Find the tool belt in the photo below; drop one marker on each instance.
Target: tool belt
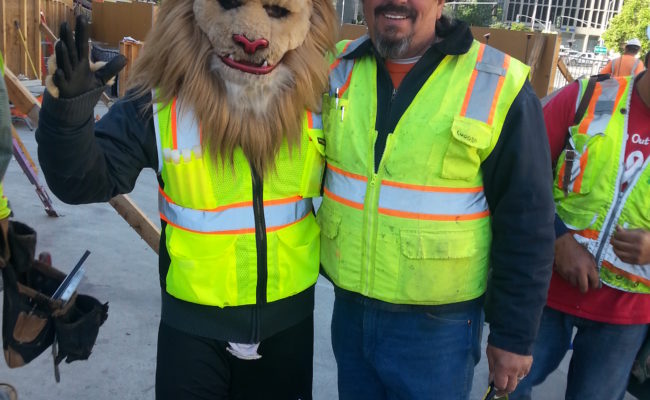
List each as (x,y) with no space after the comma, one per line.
(31,320)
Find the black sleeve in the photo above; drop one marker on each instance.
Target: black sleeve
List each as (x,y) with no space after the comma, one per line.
(84,162)
(517,180)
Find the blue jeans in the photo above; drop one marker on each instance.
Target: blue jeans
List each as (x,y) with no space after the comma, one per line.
(403,354)
(601,361)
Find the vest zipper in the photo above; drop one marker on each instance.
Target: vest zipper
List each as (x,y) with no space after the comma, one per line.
(615,212)
(370,225)
(371,208)
(260,237)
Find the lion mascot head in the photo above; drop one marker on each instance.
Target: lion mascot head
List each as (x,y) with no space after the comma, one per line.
(247,68)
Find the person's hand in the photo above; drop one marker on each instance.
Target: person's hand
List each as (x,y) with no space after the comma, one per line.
(74,75)
(575,264)
(632,245)
(506,369)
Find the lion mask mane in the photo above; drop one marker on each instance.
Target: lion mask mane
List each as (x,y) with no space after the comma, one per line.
(248,69)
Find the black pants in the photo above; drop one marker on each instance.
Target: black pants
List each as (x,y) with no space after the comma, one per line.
(195,368)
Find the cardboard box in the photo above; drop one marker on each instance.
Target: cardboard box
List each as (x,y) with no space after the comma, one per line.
(112,21)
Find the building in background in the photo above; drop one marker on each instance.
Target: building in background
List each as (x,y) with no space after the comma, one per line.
(348,11)
(579,22)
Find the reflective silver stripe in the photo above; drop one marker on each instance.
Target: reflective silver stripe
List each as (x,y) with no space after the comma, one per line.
(346,187)
(604,107)
(339,75)
(407,200)
(353,45)
(316,120)
(636,64)
(232,220)
(642,271)
(489,71)
(156,124)
(188,135)
(431,202)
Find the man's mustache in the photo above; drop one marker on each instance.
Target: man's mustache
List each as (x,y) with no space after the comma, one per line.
(396,9)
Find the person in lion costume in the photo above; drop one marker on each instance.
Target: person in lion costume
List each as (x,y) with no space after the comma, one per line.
(224,105)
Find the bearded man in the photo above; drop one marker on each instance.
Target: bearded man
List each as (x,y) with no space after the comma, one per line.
(435,175)
(223,108)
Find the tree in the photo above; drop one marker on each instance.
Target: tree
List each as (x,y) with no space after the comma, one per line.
(630,23)
(474,14)
(520,26)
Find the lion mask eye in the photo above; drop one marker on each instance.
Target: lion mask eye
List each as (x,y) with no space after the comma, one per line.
(228,4)
(275,11)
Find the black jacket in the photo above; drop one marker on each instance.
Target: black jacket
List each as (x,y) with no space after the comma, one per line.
(84,162)
(517,183)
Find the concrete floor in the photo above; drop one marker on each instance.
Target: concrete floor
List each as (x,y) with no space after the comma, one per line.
(122,270)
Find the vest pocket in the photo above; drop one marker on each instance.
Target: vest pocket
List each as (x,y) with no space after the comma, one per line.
(204,269)
(312,176)
(296,264)
(463,157)
(334,120)
(435,267)
(195,180)
(579,168)
(330,225)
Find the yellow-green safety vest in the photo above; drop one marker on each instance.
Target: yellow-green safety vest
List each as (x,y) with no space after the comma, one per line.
(595,203)
(418,230)
(208,206)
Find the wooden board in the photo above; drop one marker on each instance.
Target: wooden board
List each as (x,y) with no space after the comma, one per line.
(130,50)
(21,97)
(137,220)
(111,22)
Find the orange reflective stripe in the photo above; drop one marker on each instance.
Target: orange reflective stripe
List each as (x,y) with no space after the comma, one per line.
(622,86)
(346,85)
(588,233)
(583,164)
(338,60)
(433,188)
(629,276)
(497,92)
(434,217)
(472,80)
(584,125)
(310,122)
(348,174)
(275,202)
(468,94)
(341,200)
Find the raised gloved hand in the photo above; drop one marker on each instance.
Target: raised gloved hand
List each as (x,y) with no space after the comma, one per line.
(74,75)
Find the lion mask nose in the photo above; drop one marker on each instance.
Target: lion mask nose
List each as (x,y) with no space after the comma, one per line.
(250,47)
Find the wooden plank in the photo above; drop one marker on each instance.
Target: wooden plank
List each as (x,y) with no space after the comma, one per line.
(47,32)
(564,70)
(21,98)
(130,50)
(147,230)
(33,34)
(536,54)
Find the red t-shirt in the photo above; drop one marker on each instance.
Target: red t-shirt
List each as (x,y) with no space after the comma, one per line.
(398,71)
(606,304)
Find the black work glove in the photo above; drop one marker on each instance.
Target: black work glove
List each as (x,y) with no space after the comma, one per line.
(73,74)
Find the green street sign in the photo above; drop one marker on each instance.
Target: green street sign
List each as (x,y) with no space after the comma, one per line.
(600,50)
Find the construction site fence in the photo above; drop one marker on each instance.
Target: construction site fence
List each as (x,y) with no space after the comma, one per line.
(579,67)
